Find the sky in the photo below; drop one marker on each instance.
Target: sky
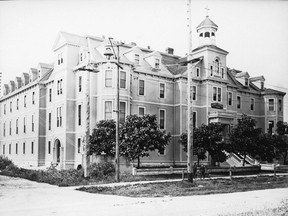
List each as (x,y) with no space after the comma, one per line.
(255,33)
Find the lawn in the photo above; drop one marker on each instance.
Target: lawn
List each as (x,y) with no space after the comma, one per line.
(199,187)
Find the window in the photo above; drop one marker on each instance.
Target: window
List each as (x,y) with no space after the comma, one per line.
(194,119)
(60,58)
(81,57)
(141,87)
(59,116)
(246,81)
(10,129)
(80,84)
(3,149)
(4,109)
(162,119)
(24,148)
(211,70)
(271,104)
(108,110)
(270,126)
(198,72)
(122,112)
(157,63)
(78,145)
(217,66)
(122,79)
(9,148)
(10,106)
(24,100)
(137,59)
(17,104)
(280,105)
(194,92)
(230,98)
(207,34)
(33,98)
(141,111)
(161,151)
(108,78)
(238,102)
(222,73)
(49,121)
(59,86)
(16,126)
(252,104)
(50,94)
(32,147)
(214,93)
(219,94)
(49,147)
(79,114)
(162,90)
(24,125)
(4,129)
(32,123)
(262,85)
(16,148)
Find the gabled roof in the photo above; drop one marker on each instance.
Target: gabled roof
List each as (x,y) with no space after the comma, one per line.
(242,74)
(258,78)
(46,75)
(210,46)
(64,37)
(269,91)
(45,65)
(207,22)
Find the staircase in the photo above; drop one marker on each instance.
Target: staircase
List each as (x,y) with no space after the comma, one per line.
(237,160)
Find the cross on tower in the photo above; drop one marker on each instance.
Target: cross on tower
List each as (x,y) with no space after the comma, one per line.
(207,11)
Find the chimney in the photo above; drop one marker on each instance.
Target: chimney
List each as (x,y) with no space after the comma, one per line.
(170,51)
(148,47)
(133,44)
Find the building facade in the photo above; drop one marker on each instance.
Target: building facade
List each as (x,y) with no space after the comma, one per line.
(45,113)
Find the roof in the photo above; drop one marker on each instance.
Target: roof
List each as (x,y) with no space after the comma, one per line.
(207,23)
(269,91)
(210,46)
(45,65)
(64,37)
(46,75)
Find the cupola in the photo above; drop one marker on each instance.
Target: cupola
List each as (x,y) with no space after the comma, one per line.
(207,32)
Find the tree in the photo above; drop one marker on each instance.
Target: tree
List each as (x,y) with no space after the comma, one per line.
(103,138)
(281,141)
(140,136)
(264,150)
(207,138)
(243,138)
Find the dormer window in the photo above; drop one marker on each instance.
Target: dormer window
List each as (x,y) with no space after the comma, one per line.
(207,34)
(137,59)
(60,58)
(246,81)
(157,63)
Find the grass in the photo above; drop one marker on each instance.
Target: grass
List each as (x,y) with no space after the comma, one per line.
(184,188)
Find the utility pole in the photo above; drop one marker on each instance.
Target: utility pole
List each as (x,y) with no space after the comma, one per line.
(117,162)
(189,96)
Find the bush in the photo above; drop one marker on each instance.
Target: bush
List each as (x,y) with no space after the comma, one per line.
(102,170)
(4,162)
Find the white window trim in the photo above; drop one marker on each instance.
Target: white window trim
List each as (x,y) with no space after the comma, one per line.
(155,61)
(136,54)
(198,68)
(217,87)
(104,108)
(125,109)
(160,90)
(253,104)
(228,98)
(143,108)
(195,92)
(165,119)
(139,87)
(273,104)
(237,102)
(125,79)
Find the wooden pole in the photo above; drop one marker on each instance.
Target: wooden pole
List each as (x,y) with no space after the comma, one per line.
(189,96)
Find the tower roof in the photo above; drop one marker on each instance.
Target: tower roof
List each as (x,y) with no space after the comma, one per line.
(207,22)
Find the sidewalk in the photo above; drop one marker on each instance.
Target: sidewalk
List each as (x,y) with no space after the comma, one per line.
(115,184)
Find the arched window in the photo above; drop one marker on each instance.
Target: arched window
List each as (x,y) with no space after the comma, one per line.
(201,35)
(217,66)
(207,34)
(212,34)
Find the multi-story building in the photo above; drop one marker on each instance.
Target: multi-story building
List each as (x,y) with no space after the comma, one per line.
(44,113)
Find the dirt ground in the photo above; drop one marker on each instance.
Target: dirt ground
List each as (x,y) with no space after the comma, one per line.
(23,197)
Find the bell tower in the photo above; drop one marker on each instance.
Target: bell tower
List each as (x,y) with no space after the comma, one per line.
(207,31)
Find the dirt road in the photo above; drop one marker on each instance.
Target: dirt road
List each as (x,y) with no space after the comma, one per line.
(23,197)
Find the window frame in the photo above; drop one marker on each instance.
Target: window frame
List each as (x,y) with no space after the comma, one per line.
(136,58)
(228,98)
(125,109)
(108,79)
(144,110)
(269,105)
(80,84)
(194,93)
(121,81)
(164,119)
(139,87)
(79,109)
(164,90)
(198,71)
(157,63)
(105,113)
(252,104)
(238,102)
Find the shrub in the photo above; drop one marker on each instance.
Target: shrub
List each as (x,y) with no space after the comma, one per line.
(4,162)
(102,170)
